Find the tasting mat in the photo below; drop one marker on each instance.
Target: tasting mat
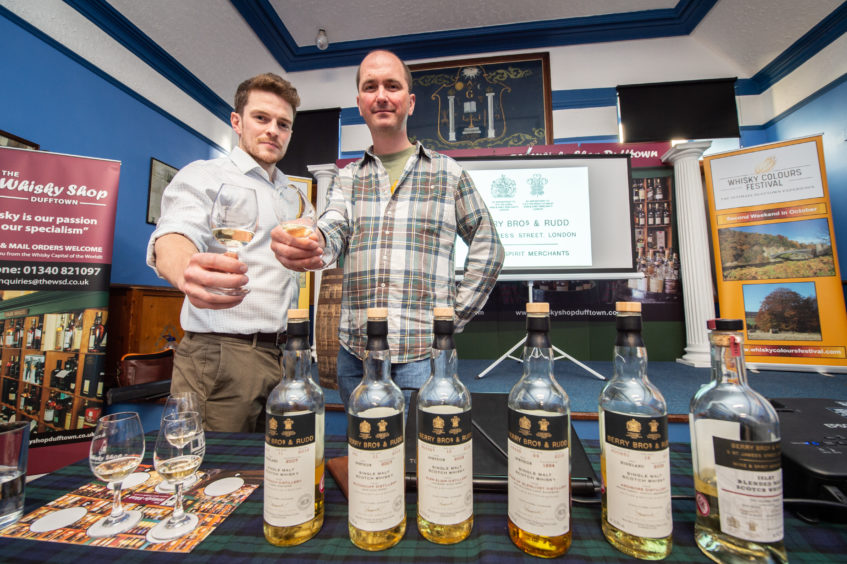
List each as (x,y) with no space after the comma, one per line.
(211,497)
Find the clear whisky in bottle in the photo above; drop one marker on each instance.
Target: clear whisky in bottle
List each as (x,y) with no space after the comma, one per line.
(294,444)
(444,443)
(735,449)
(539,473)
(376,453)
(634,450)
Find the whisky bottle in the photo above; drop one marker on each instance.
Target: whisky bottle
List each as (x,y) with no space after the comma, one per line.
(36,343)
(60,333)
(375,430)
(444,443)
(68,335)
(294,444)
(539,501)
(634,453)
(735,450)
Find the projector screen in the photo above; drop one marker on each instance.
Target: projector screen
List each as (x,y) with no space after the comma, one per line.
(559,217)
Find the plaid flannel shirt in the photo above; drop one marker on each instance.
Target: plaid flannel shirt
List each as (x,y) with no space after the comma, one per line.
(399,248)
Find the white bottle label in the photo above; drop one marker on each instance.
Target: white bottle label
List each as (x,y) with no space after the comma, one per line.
(289,469)
(749,480)
(539,473)
(376,469)
(445,464)
(638,474)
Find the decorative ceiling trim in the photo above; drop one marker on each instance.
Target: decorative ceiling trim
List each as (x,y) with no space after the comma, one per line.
(679,20)
(123,31)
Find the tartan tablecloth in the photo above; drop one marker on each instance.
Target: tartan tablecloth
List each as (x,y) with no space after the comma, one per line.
(239,538)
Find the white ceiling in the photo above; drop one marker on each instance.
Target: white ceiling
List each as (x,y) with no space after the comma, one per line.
(188,56)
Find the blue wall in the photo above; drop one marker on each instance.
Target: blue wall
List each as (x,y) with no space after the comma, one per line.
(51,99)
(825,113)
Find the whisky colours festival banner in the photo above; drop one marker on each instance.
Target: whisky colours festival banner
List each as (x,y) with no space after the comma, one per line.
(56,233)
(776,262)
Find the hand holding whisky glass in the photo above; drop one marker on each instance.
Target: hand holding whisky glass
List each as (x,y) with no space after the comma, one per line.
(233,222)
(294,212)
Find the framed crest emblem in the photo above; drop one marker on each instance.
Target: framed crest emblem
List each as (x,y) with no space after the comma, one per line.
(482,103)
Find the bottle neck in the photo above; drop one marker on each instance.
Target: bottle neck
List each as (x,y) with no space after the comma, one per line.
(630,351)
(727,348)
(297,356)
(538,353)
(377,365)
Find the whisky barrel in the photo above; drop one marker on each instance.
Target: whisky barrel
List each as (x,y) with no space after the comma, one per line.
(326,326)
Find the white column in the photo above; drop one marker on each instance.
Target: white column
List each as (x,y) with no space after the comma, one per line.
(451,102)
(324,174)
(490,96)
(695,265)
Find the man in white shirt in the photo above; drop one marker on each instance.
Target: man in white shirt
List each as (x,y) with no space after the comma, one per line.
(230,355)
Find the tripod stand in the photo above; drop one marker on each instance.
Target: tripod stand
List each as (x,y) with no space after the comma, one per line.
(556,350)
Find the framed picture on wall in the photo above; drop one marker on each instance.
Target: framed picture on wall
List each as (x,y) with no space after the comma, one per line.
(9,140)
(161,175)
(482,103)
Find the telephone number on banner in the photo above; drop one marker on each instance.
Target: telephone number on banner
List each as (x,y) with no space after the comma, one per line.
(53,276)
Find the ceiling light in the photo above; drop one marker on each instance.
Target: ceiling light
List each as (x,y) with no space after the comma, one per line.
(322,41)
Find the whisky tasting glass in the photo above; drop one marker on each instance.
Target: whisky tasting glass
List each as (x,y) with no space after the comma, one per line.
(294,212)
(179,402)
(116,451)
(179,451)
(233,222)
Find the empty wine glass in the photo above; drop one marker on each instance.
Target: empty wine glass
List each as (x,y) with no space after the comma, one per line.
(116,451)
(294,212)
(179,451)
(233,222)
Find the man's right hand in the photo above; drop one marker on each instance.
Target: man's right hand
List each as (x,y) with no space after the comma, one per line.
(298,253)
(210,270)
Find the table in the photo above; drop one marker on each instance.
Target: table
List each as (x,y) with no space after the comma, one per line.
(240,538)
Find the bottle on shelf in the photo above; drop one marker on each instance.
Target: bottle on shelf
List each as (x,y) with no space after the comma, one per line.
(30,334)
(444,445)
(634,450)
(68,334)
(375,430)
(97,334)
(666,214)
(660,195)
(650,188)
(735,448)
(39,328)
(49,409)
(539,501)
(294,444)
(60,332)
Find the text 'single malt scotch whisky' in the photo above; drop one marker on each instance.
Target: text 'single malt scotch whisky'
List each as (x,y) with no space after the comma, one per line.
(376,454)
(294,444)
(444,447)
(735,449)
(539,501)
(634,450)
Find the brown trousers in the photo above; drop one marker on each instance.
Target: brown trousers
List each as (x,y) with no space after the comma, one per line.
(232,378)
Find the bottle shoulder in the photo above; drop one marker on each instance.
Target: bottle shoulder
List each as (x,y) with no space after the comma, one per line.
(731,402)
(539,394)
(634,396)
(444,391)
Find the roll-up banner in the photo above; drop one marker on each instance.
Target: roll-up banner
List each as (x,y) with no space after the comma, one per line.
(776,264)
(57,224)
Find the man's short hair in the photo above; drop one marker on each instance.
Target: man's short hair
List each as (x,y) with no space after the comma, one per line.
(269,82)
(406,70)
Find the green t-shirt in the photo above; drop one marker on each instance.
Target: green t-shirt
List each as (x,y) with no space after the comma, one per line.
(395,163)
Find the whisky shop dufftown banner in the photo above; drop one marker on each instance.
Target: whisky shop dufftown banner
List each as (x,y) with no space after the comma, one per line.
(776,261)
(56,233)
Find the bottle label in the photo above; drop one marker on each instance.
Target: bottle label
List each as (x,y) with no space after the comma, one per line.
(749,480)
(539,473)
(376,468)
(445,465)
(638,474)
(289,469)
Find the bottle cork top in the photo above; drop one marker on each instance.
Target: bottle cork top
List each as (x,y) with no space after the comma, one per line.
(443,312)
(298,314)
(628,306)
(377,312)
(538,307)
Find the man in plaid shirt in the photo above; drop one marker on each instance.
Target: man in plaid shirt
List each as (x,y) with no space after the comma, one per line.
(394,216)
